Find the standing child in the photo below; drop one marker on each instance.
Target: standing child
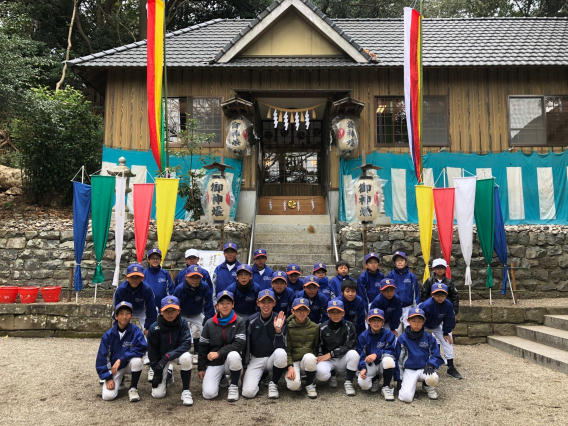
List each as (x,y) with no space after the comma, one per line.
(440,321)
(122,348)
(293,272)
(418,358)
(325,287)
(222,341)
(368,283)
(170,339)
(388,302)
(196,304)
(192,259)
(160,280)
(316,300)
(376,347)
(342,267)
(439,266)
(406,284)
(261,274)
(336,349)
(355,306)
(225,274)
(266,347)
(245,292)
(283,294)
(301,345)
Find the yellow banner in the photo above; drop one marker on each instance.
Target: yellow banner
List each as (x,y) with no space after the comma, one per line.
(425,206)
(166,198)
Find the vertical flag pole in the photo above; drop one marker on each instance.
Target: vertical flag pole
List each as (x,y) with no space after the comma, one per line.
(166,118)
(421,86)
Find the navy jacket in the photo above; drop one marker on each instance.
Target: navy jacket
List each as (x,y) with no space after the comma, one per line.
(336,283)
(453,295)
(392,309)
(284,301)
(369,285)
(264,280)
(415,354)
(262,339)
(437,314)
(112,348)
(296,287)
(142,299)
(382,344)
(180,277)
(223,278)
(171,343)
(245,301)
(356,312)
(325,287)
(407,288)
(318,307)
(160,281)
(195,300)
(216,338)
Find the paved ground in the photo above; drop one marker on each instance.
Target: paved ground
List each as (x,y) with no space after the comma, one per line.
(53,382)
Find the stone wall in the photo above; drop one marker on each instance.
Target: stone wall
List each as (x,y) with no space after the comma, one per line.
(42,255)
(542,252)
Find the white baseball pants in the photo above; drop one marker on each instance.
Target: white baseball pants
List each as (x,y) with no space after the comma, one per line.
(349,361)
(439,335)
(308,363)
(214,373)
(257,366)
(134,365)
(195,323)
(185,362)
(373,370)
(409,380)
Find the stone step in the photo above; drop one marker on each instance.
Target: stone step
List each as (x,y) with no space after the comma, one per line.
(545,335)
(302,258)
(540,354)
(293,238)
(286,220)
(285,248)
(301,230)
(306,269)
(556,321)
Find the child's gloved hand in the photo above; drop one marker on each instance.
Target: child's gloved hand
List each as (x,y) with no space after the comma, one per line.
(157,379)
(162,364)
(429,369)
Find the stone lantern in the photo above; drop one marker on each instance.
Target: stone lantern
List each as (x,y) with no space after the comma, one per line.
(123,170)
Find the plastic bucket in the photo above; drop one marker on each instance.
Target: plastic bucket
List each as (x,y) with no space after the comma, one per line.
(28,294)
(51,294)
(8,294)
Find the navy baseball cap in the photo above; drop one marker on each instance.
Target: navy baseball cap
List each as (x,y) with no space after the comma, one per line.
(319,266)
(193,270)
(292,268)
(439,287)
(399,253)
(311,279)
(416,312)
(372,256)
(278,275)
(154,250)
(225,293)
(376,312)
(266,293)
(230,246)
(135,269)
(244,267)
(123,305)
(169,302)
(387,282)
(300,302)
(335,304)
(260,252)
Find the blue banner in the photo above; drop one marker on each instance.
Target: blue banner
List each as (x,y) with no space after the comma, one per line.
(81,213)
(500,239)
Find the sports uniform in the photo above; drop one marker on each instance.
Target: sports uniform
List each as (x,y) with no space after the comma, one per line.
(225,274)
(392,308)
(284,299)
(317,304)
(160,280)
(336,281)
(453,295)
(325,286)
(245,295)
(261,277)
(298,286)
(180,277)
(355,312)
(407,288)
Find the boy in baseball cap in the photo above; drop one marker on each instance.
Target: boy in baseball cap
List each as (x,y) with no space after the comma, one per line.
(302,343)
(293,272)
(368,283)
(376,347)
(407,288)
(222,341)
(160,280)
(245,292)
(225,274)
(283,294)
(261,274)
(439,266)
(342,267)
(316,299)
(421,357)
(266,347)
(336,349)
(122,347)
(390,304)
(355,307)
(192,259)
(440,321)
(325,287)
(170,339)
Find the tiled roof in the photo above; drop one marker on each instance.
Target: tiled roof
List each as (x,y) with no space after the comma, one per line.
(447,42)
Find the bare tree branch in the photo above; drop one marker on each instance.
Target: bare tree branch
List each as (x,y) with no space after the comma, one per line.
(58,85)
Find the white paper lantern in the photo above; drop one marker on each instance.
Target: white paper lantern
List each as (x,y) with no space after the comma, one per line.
(367,199)
(218,198)
(237,136)
(347,137)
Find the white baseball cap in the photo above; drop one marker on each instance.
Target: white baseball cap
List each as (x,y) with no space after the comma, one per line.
(437,262)
(191,252)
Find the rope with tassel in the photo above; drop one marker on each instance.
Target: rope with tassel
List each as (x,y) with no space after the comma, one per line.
(291,111)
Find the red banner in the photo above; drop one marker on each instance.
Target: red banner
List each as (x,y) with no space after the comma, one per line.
(444,207)
(142,194)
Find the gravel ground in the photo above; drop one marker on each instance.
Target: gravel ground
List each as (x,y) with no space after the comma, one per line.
(53,381)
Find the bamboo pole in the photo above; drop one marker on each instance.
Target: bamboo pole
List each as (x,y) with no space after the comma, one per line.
(165,96)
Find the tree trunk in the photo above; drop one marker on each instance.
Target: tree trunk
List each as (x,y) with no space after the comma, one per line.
(143,20)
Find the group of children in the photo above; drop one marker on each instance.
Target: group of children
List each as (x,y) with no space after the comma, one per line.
(274,323)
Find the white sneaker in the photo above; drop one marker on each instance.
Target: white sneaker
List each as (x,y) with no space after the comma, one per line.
(349,390)
(150,375)
(273,391)
(375,386)
(170,379)
(388,393)
(311,390)
(233,393)
(133,395)
(195,359)
(432,394)
(186,398)
(145,359)
(224,382)
(332,382)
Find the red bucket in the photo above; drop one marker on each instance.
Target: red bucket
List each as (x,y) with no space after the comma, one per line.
(28,294)
(8,294)
(51,294)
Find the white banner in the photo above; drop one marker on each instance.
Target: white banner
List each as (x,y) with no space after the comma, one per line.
(210,259)
(464,207)
(120,193)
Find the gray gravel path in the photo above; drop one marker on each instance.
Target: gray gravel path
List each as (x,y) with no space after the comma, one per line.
(53,382)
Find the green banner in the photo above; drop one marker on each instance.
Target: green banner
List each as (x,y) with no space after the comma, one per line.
(485,221)
(102,193)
